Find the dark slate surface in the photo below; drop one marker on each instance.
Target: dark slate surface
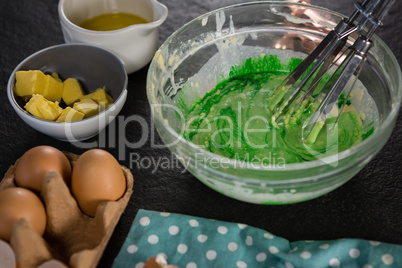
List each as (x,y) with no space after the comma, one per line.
(369,206)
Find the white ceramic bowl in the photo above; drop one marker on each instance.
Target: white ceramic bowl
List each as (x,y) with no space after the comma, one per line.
(135,44)
(94,67)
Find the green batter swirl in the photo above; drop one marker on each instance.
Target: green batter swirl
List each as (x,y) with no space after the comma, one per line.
(232,120)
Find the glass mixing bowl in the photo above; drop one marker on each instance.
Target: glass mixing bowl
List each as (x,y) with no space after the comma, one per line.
(199,55)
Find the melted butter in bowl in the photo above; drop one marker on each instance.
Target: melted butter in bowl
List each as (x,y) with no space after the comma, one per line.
(127,28)
(112,21)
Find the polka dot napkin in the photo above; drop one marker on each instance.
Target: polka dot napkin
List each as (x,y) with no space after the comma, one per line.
(191,242)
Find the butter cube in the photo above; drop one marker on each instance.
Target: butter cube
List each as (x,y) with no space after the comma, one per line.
(69,115)
(72,91)
(87,107)
(53,89)
(41,108)
(56,76)
(29,83)
(101,97)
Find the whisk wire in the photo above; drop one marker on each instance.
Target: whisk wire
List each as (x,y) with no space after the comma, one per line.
(295,111)
(315,67)
(322,52)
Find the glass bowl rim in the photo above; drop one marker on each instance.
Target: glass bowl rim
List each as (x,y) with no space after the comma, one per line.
(288,166)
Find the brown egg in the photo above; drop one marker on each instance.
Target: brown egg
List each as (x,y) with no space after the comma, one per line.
(17,203)
(36,162)
(96,177)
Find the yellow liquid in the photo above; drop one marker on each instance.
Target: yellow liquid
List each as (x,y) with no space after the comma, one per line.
(111,21)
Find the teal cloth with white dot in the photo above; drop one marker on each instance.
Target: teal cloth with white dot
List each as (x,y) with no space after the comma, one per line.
(193,242)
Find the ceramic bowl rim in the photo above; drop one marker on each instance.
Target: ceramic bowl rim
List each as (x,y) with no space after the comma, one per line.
(23,113)
(152,24)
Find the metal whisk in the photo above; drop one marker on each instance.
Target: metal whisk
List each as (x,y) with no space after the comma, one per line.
(292,97)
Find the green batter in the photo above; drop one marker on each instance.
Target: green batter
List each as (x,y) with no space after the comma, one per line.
(233,119)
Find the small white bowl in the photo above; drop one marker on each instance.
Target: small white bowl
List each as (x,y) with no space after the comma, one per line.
(135,45)
(94,67)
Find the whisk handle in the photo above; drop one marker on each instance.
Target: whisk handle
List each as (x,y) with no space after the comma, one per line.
(382,13)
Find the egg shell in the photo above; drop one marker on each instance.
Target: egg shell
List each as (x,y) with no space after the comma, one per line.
(7,256)
(96,177)
(152,263)
(36,162)
(17,203)
(158,262)
(52,264)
